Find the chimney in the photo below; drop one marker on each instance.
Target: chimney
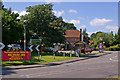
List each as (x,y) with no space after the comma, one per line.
(80,34)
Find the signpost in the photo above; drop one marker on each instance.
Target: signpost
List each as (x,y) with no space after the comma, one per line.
(35,42)
(38,51)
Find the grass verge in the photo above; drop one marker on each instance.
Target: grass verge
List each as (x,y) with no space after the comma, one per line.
(45,58)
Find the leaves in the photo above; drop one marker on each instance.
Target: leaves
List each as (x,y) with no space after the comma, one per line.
(11,27)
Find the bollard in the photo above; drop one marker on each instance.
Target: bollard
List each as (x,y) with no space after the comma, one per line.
(64,54)
(54,56)
(40,57)
(78,55)
(70,55)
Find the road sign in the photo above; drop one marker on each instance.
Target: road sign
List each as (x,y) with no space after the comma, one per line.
(37,48)
(35,41)
(15,55)
(31,48)
(1,45)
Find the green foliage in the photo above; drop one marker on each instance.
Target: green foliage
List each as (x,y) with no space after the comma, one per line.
(42,23)
(108,38)
(119,35)
(86,38)
(114,48)
(68,26)
(11,27)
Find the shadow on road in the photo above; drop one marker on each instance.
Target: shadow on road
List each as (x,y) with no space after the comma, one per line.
(52,64)
(7,71)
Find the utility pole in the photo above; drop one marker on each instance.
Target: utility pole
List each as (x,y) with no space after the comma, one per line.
(24,35)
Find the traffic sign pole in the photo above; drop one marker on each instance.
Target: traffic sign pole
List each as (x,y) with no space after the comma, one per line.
(35,42)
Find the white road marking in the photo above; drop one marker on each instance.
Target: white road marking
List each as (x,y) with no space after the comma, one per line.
(114,59)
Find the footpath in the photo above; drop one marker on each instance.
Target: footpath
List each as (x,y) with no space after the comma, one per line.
(53,63)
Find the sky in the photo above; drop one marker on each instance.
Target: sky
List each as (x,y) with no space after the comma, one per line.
(94,16)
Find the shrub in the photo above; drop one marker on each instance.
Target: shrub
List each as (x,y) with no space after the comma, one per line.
(96,49)
(114,48)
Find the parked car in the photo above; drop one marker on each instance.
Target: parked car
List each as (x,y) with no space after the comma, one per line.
(46,49)
(51,49)
(89,49)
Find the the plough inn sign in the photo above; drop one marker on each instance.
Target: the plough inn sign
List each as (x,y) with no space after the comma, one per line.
(15,55)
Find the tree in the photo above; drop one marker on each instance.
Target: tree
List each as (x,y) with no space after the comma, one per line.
(69,26)
(12,29)
(111,37)
(119,35)
(115,39)
(42,23)
(86,38)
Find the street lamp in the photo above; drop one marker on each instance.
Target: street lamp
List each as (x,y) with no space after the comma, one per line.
(24,35)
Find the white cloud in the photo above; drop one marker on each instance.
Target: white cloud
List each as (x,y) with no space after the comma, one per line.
(21,13)
(75,22)
(64,20)
(50,1)
(59,13)
(89,33)
(73,11)
(111,28)
(82,26)
(99,22)
(15,12)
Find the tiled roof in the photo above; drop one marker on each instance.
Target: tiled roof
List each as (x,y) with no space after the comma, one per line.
(91,41)
(72,33)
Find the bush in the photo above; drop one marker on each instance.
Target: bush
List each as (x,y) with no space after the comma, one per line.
(114,48)
(106,49)
(96,49)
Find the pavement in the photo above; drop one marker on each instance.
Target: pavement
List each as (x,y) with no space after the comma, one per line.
(54,63)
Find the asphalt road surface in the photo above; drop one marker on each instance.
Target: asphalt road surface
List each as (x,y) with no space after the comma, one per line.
(99,67)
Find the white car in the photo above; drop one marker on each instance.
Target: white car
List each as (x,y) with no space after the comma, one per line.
(54,49)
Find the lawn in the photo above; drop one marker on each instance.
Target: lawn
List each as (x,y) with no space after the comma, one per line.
(45,58)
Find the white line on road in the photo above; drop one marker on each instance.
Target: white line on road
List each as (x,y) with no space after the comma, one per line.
(114,59)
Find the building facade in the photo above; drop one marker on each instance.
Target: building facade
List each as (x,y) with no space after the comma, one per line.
(72,36)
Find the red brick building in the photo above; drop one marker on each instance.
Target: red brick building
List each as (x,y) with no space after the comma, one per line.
(72,36)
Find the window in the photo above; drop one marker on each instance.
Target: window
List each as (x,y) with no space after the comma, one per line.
(73,39)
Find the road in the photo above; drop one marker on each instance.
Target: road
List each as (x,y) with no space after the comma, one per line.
(98,67)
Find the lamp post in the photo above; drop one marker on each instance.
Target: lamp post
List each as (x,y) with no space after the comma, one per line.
(24,35)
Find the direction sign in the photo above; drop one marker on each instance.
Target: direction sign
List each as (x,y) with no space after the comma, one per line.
(31,48)
(2,45)
(35,41)
(37,48)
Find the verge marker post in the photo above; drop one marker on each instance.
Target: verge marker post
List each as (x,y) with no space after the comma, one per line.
(54,56)
(40,57)
(63,54)
(70,54)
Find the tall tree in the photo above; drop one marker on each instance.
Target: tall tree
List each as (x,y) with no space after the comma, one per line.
(86,38)
(119,35)
(12,30)
(69,26)
(42,23)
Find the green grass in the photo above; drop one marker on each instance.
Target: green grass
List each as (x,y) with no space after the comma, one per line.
(45,58)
